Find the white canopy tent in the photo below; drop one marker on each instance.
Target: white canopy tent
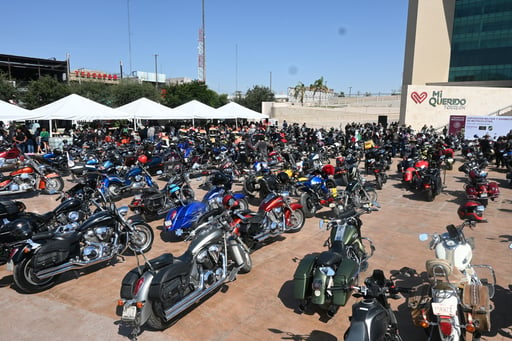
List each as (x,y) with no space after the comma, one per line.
(11,112)
(235,110)
(76,107)
(144,108)
(196,110)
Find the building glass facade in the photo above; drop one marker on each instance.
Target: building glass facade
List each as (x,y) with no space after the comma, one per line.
(481,41)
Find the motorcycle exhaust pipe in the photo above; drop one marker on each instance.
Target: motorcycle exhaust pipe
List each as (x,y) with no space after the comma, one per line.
(57,270)
(193,298)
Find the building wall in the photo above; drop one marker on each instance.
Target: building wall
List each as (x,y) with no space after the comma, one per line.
(316,117)
(428,44)
(433,105)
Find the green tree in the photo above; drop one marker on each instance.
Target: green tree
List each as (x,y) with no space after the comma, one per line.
(255,96)
(7,90)
(129,91)
(43,91)
(298,92)
(178,94)
(319,86)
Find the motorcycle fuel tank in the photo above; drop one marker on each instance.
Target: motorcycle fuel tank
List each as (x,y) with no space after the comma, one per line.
(368,322)
(457,254)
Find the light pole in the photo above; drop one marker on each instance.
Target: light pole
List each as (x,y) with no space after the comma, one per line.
(156,72)
(349,91)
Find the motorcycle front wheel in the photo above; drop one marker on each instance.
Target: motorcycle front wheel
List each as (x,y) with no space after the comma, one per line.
(141,239)
(296,221)
(378,182)
(54,185)
(27,281)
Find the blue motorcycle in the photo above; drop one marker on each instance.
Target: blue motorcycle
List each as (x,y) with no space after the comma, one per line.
(183,219)
(137,178)
(317,192)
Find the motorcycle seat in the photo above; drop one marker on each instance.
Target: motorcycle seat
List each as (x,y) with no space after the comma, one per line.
(329,258)
(161,261)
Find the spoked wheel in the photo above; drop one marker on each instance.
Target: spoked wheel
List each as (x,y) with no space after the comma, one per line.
(26,280)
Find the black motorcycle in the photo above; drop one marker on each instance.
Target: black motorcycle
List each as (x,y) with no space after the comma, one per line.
(74,208)
(39,258)
(372,318)
(160,289)
(153,203)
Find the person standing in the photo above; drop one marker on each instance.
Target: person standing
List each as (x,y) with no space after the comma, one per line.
(44,137)
(20,139)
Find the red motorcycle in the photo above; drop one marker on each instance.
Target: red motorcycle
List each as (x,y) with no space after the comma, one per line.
(479,188)
(276,214)
(10,157)
(31,177)
(413,174)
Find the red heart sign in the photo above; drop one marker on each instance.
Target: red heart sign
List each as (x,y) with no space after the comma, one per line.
(418,98)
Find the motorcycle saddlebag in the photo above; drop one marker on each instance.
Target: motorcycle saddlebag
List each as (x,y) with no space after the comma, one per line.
(303,275)
(170,281)
(55,252)
(475,300)
(154,201)
(130,279)
(344,276)
(9,209)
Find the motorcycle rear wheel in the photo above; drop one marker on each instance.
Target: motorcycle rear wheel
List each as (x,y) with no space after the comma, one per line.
(429,194)
(378,181)
(26,280)
(308,205)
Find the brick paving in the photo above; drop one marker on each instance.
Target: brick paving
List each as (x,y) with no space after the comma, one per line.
(260,305)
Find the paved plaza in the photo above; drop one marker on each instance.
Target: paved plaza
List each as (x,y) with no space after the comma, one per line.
(260,305)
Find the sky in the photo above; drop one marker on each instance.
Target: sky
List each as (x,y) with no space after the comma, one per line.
(357,46)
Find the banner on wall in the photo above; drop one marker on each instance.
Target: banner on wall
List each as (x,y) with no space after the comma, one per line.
(494,126)
(457,123)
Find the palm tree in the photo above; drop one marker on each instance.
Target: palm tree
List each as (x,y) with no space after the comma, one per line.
(299,91)
(319,86)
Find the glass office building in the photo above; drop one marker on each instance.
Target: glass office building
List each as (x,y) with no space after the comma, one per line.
(481,47)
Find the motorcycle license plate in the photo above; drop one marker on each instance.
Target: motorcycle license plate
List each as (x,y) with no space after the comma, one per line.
(129,313)
(444,308)
(483,195)
(10,266)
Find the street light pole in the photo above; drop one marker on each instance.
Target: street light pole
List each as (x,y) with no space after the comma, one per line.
(156,72)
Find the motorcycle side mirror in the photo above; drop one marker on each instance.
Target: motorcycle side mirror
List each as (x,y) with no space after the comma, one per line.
(423,237)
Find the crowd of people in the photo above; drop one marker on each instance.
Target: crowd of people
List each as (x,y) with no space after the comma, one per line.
(398,137)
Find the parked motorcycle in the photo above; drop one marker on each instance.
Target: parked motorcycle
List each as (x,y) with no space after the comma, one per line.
(31,176)
(322,279)
(276,214)
(153,204)
(317,193)
(478,187)
(10,156)
(40,257)
(455,300)
(156,292)
(136,178)
(180,220)
(372,318)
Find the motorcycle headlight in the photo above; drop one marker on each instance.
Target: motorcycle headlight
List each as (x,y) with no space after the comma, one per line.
(73,216)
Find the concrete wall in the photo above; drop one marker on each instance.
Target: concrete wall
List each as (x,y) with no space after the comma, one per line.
(317,117)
